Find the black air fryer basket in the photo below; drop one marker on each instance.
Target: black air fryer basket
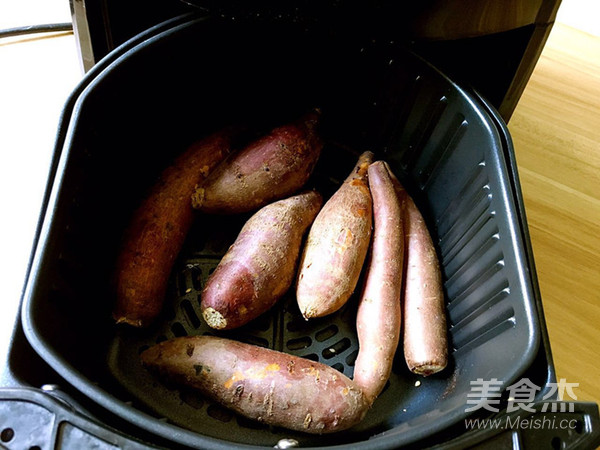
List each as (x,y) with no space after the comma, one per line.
(182,80)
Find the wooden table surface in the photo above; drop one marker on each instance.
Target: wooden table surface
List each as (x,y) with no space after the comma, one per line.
(555,130)
(556,135)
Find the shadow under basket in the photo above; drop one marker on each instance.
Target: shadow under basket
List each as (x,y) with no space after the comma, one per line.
(188,80)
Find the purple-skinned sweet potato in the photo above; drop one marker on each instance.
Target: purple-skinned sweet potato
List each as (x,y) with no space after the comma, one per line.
(423,304)
(379,315)
(260,266)
(259,383)
(425,333)
(158,229)
(270,168)
(336,246)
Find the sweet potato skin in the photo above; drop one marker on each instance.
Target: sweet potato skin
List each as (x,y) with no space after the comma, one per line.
(425,337)
(272,167)
(379,315)
(260,266)
(336,246)
(262,384)
(158,229)
(425,334)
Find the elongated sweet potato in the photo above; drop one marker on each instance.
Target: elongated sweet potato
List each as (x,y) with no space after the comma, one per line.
(269,169)
(261,264)
(158,229)
(425,334)
(424,311)
(379,316)
(336,246)
(265,385)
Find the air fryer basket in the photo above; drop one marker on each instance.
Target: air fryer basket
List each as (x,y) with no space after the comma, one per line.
(187,81)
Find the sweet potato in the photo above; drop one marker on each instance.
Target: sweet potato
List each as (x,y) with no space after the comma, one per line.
(269,169)
(158,229)
(262,384)
(425,333)
(424,311)
(336,246)
(261,264)
(379,316)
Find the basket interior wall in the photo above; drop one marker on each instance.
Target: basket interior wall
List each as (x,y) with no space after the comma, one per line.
(146,108)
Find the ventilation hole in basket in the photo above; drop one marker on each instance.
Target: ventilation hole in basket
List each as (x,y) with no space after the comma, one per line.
(299,343)
(351,358)
(254,340)
(35,447)
(337,348)
(261,323)
(298,324)
(196,277)
(339,367)
(556,443)
(182,284)
(219,413)
(7,434)
(168,313)
(189,279)
(142,349)
(579,426)
(190,313)
(192,399)
(178,330)
(161,338)
(312,357)
(326,333)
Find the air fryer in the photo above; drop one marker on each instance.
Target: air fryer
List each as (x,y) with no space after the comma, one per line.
(145,102)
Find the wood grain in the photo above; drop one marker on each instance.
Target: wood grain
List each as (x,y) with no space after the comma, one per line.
(556,134)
